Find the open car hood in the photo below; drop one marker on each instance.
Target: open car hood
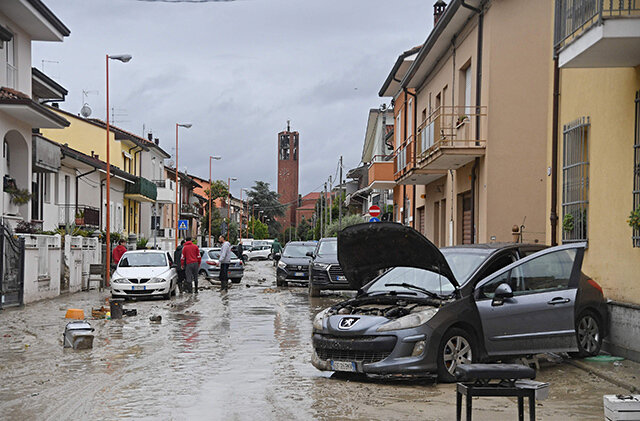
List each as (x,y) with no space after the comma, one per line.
(365,249)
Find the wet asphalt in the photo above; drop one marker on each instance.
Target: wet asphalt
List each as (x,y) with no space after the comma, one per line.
(243,354)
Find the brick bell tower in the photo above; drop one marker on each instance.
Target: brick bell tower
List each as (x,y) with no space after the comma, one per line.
(288,154)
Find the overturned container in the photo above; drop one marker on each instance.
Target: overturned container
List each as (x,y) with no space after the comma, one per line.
(78,335)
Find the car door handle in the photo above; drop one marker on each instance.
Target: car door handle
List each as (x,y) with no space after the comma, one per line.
(559,300)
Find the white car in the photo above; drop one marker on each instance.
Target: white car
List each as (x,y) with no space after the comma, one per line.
(144,273)
(257,253)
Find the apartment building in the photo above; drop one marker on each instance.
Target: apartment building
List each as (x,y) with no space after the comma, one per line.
(594,152)
(471,109)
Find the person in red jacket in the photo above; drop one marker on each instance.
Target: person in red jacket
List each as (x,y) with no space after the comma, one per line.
(191,263)
(118,252)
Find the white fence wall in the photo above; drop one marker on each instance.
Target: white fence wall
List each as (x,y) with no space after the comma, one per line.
(42,266)
(79,253)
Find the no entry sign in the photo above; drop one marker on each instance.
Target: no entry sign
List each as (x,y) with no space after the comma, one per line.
(374,210)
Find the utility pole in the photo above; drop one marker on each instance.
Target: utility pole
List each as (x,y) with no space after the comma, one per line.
(324,214)
(330,200)
(321,213)
(340,198)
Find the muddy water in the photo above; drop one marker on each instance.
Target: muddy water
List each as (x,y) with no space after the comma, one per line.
(244,354)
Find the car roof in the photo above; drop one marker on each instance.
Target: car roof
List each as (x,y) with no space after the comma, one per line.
(490,247)
(329,239)
(302,243)
(145,251)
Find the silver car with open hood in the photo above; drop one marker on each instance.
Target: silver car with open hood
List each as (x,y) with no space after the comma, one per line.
(421,310)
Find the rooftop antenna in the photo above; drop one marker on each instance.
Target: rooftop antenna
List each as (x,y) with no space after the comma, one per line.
(85,111)
(47,61)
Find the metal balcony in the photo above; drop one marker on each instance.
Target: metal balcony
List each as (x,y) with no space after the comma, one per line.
(80,215)
(142,190)
(597,33)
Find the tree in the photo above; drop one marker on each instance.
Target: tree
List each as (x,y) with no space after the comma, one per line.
(217,190)
(257,229)
(332,229)
(266,200)
(304,230)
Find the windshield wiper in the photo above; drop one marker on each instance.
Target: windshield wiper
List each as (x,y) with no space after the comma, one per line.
(376,293)
(416,287)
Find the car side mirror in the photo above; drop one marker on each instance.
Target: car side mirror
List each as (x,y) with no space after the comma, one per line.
(501,293)
(310,254)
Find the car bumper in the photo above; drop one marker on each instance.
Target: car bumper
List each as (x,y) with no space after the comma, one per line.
(233,273)
(142,290)
(329,279)
(376,354)
(287,274)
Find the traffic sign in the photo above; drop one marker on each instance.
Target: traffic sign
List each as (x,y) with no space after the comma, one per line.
(183,224)
(374,220)
(374,211)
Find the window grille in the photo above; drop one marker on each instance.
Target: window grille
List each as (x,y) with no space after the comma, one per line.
(575,180)
(636,169)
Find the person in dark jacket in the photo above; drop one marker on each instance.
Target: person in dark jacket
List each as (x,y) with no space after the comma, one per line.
(177,260)
(191,261)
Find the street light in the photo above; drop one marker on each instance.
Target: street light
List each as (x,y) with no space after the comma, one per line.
(123,58)
(186,126)
(216,157)
(253,220)
(229,180)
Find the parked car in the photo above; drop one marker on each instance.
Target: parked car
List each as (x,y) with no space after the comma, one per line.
(257,252)
(325,271)
(435,309)
(294,262)
(210,265)
(144,273)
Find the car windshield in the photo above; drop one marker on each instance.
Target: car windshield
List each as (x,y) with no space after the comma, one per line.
(463,262)
(133,260)
(420,278)
(297,250)
(328,248)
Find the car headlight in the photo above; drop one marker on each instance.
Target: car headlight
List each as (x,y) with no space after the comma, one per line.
(282,264)
(320,266)
(318,321)
(120,281)
(409,321)
(157,280)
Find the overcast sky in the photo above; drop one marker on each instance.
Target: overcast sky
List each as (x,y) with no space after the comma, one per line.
(237,70)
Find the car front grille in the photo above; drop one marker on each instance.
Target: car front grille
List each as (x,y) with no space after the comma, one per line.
(139,291)
(334,272)
(345,355)
(139,281)
(297,268)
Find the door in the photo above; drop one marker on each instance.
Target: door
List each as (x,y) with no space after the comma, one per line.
(540,315)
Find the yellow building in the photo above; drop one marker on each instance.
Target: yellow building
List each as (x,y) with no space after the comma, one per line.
(89,137)
(595,181)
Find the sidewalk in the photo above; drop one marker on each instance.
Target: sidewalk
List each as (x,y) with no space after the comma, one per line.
(625,373)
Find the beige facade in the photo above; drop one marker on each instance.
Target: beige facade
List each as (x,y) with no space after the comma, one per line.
(483,156)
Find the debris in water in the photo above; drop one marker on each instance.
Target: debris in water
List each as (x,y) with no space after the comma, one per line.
(269,290)
(156,318)
(130,312)
(75,313)
(78,335)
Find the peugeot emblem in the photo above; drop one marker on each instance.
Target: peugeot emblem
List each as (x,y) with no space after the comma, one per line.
(347,322)
(299,267)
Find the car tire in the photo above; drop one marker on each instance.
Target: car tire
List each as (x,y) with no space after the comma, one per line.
(236,280)
(457,347)
(278,282)
(588,335)
(314,291)
(203,273)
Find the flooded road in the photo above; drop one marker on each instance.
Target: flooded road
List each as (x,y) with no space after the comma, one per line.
(240,355)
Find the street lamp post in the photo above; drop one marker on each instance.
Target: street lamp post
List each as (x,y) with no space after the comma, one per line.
(229,180)
(242,213)
(123,58)
(210,186)
(253,220)
(175,218)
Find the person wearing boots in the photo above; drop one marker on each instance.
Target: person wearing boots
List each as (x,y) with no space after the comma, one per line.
(177,259)
(191,260)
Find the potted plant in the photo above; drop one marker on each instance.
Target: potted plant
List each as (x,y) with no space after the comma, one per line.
(19,196)
(461,120)
(80,217)
(634,219)
(567,223)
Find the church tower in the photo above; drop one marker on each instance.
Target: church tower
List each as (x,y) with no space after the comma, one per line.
(288,154)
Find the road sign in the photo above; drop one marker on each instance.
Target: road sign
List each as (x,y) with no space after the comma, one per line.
(374,211)
(183,224)
(374,220)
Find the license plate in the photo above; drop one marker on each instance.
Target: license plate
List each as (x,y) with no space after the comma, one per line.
(299,274)
(343,366)
(138,287)
(341,278)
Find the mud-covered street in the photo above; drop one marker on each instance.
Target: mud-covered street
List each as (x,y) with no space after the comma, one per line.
(244,354)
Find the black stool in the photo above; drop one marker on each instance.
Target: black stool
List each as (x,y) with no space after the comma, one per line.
(494,380)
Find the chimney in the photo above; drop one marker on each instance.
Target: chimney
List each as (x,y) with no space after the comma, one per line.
(150,136)
(438,10)
(157,140)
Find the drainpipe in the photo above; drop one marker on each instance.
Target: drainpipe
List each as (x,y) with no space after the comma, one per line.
(480,14)
(415,147)
(101,184)
(553,216)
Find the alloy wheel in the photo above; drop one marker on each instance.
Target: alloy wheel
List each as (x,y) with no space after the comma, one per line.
(588,334)
(457,351)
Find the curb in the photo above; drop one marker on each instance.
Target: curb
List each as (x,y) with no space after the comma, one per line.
(603,375)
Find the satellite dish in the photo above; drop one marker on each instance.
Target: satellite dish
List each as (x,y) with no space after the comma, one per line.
(85,111)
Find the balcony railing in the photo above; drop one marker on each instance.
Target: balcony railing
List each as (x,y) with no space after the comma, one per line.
(12,76)
(165,190)
(189,210)
(81,215)
(574,17)
(142,190)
